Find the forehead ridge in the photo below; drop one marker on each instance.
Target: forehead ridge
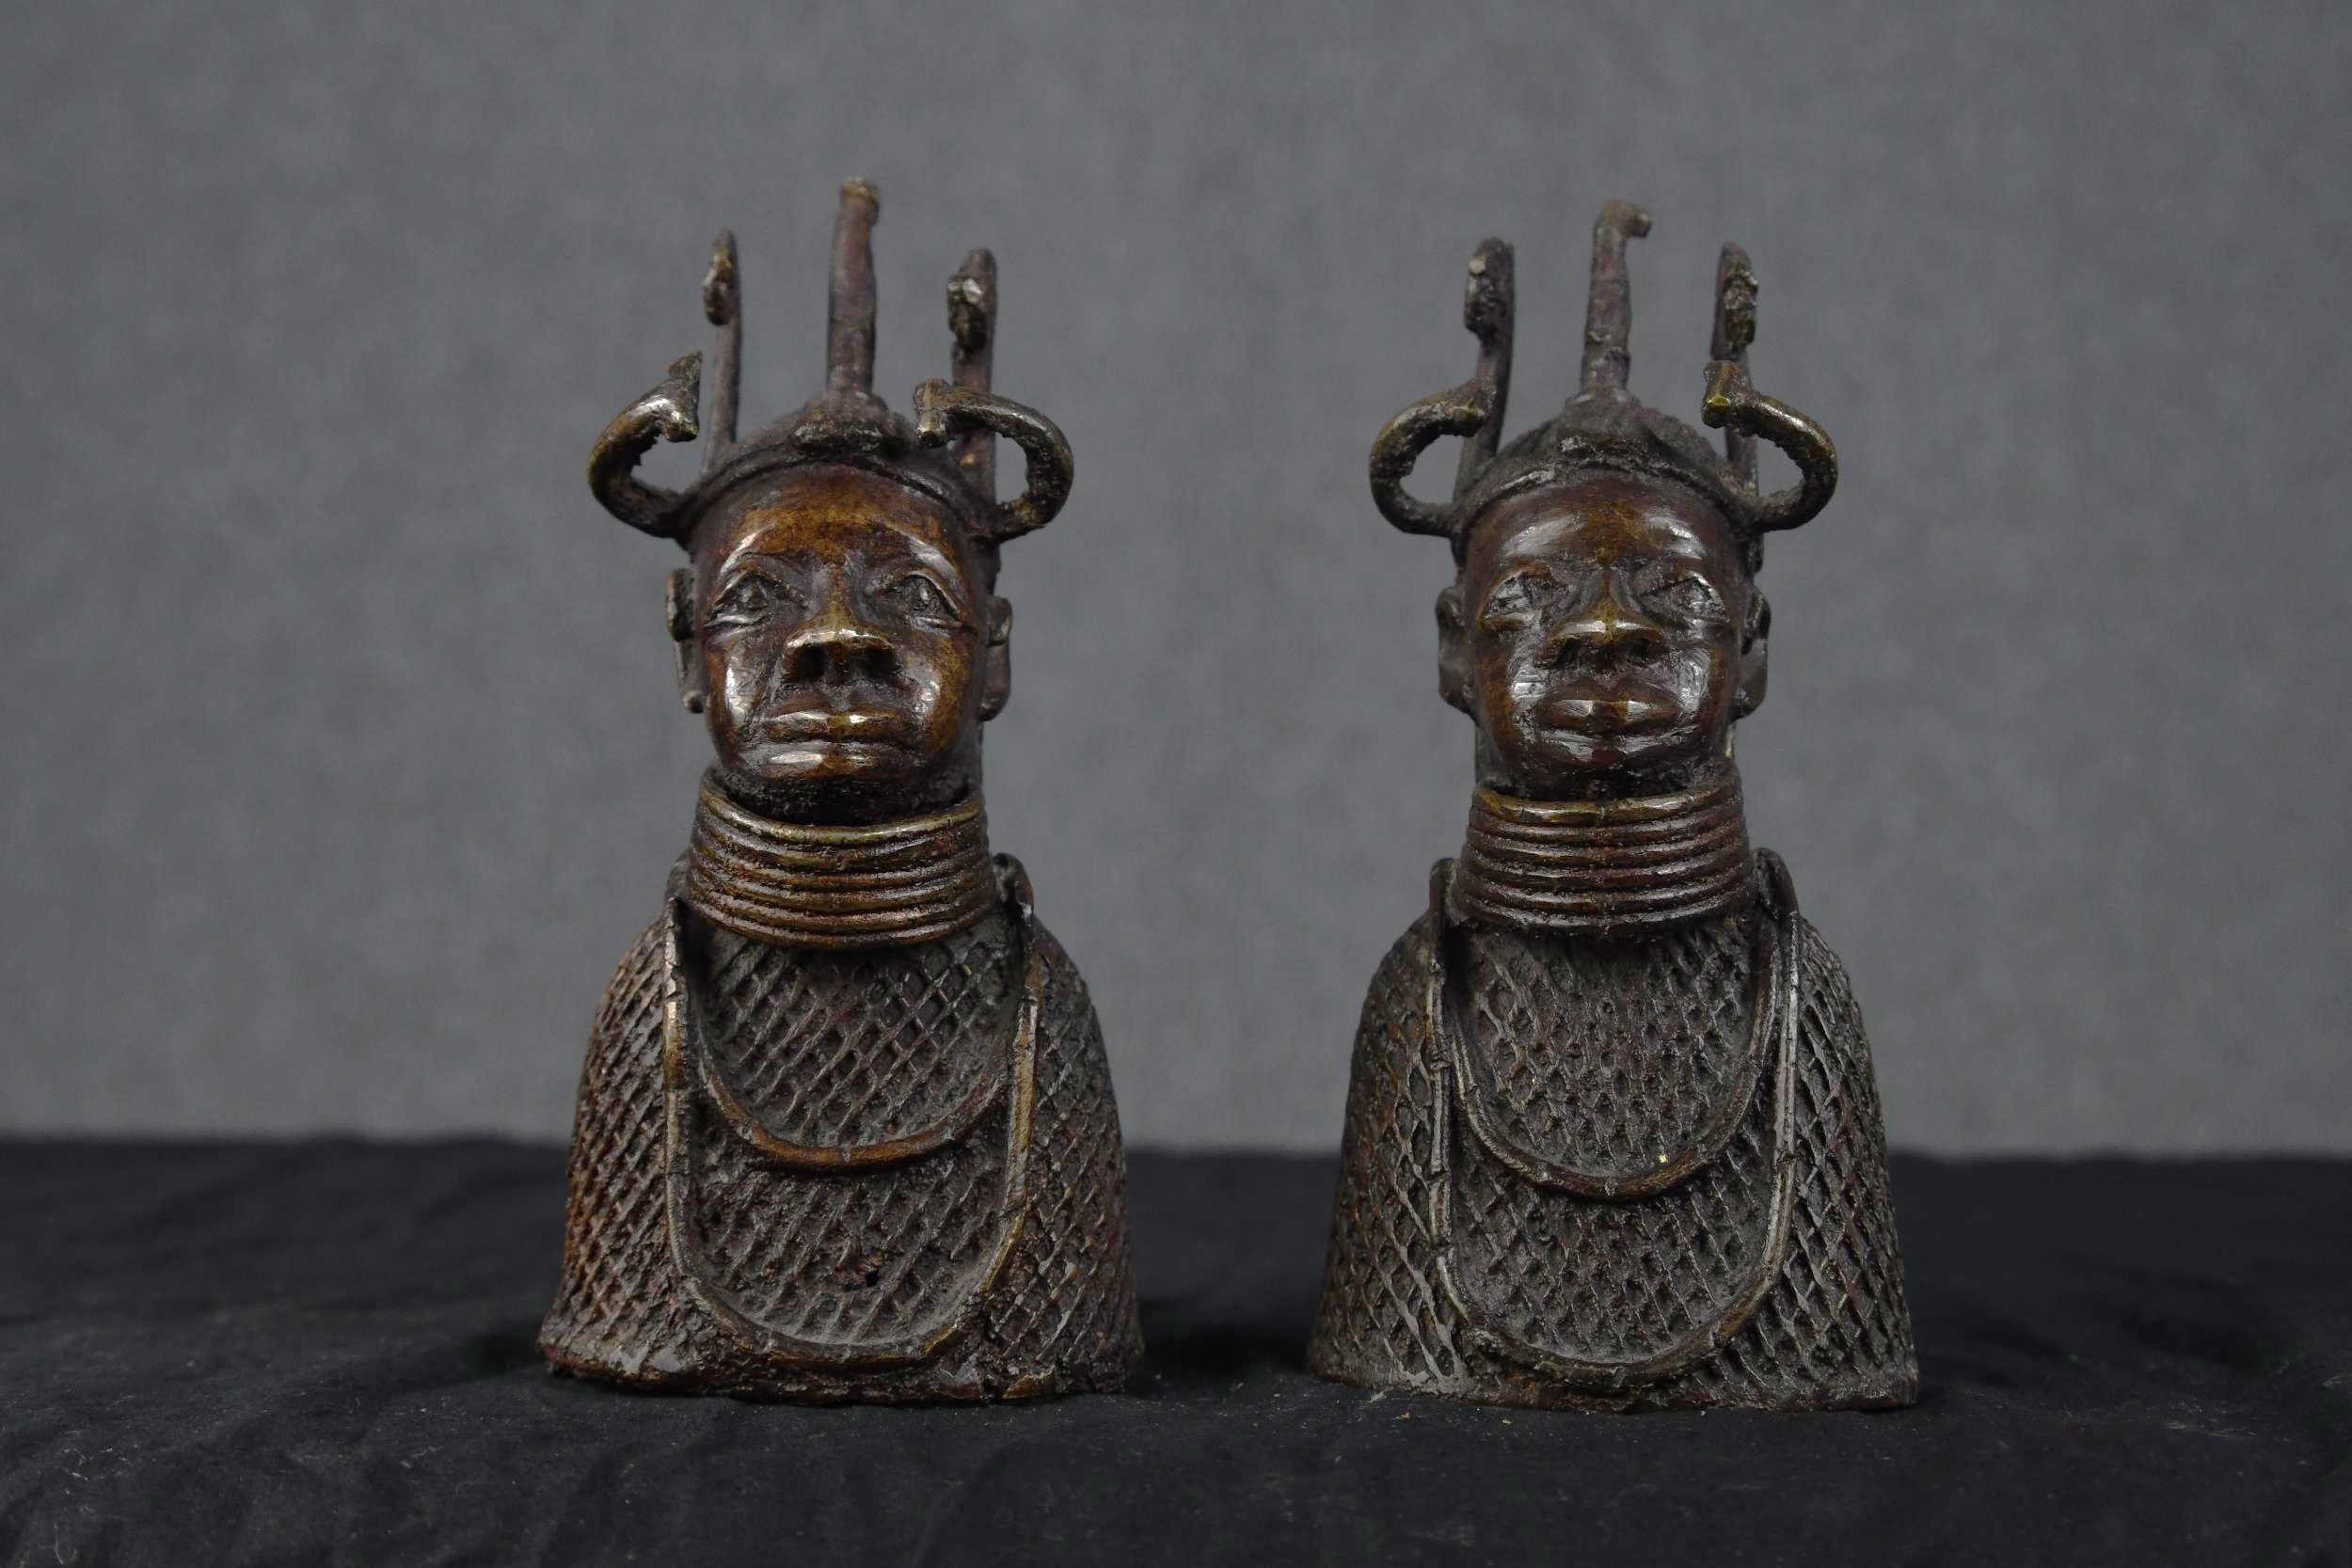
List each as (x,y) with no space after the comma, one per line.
(1601,517)
(828,508)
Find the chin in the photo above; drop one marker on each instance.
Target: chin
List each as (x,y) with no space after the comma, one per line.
(1565,763)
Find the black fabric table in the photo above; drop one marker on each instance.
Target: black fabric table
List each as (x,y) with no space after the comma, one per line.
(322,1353)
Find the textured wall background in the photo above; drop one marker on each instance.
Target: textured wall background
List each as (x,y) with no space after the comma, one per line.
(342,758)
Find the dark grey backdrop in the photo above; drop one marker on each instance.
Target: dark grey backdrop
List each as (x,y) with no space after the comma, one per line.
(342,758)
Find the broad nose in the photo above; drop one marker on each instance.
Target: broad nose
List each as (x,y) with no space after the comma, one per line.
(835,645)
(1608,627)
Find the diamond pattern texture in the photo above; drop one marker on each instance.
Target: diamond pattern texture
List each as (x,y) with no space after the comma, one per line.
(1606,1055)
(873,1044)
(1578,1079)
(853,1257)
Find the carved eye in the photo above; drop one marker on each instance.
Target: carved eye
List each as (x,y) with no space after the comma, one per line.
(749,599)
(1685,599)
(919,598)
(1517,600)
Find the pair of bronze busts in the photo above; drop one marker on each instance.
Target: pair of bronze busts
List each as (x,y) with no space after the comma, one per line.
(845,1130)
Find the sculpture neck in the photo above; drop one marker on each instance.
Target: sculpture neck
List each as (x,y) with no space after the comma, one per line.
(890,884)
(1621,868)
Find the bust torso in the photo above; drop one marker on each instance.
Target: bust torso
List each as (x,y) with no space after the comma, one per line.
(772,1279)
(1604,1055)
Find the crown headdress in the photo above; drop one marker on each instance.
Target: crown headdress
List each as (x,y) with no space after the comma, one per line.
(948,450)
(1604,425)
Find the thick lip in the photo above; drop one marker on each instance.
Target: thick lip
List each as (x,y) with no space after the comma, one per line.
(1600,710)
(843,726)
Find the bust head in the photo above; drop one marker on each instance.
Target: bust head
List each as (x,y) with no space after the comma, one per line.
(1604,628)
(1603,634)
(836,626)
(846,645)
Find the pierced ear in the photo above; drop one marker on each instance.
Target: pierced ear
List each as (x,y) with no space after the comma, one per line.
(996,659)
(1453,650)
(1753,645)
(678,604)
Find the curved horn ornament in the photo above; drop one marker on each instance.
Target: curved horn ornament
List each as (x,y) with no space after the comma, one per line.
(1463,411)
(665,414)
(943,411)
(1733,403)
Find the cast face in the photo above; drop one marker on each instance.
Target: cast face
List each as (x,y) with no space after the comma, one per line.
(1596,637)
(847,650)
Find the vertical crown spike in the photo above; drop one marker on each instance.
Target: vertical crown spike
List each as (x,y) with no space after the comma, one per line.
(849,305)
(1735,329)
(723,307)
(1609,306)
(1489,306)
(972,320)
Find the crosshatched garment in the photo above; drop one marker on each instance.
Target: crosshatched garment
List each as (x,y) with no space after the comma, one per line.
(693,1258)
(1607,1056)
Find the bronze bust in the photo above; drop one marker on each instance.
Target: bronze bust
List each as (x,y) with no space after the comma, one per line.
(1613,1138)
(846,1129)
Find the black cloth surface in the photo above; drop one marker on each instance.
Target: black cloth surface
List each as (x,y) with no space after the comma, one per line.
(323,1353)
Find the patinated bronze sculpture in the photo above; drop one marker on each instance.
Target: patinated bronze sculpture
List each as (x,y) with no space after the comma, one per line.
(1613,1137)
(846,1129)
